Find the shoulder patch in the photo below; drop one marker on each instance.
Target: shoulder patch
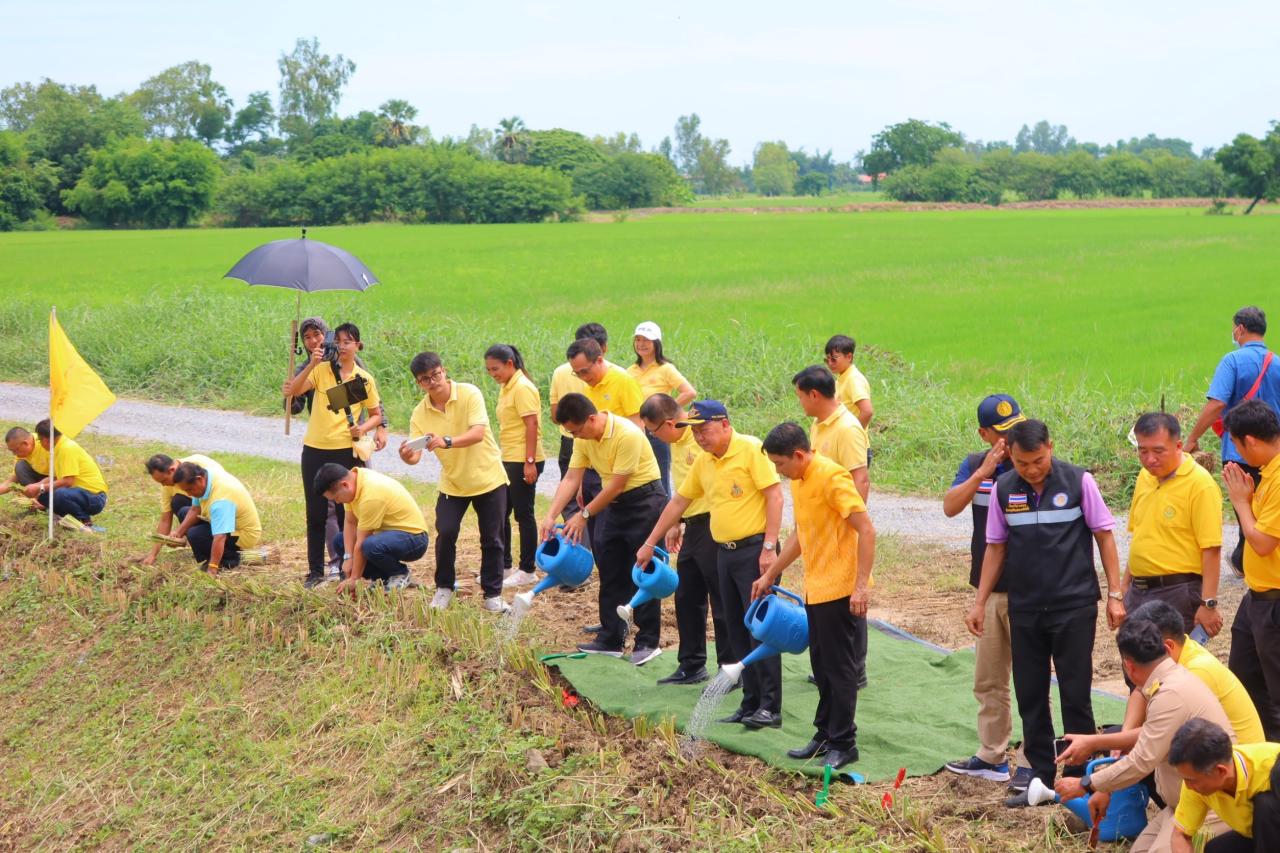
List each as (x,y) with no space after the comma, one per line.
(1060,500)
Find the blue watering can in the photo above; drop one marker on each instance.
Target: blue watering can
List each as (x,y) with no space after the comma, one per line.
(777,625)
(565,563)
(1126,815)
(656,581)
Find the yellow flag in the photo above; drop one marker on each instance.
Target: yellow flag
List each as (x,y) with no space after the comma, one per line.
(77,394)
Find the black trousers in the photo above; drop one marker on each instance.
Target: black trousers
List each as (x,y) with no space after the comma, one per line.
(318,505)
(1255,657)
(200,538)
(1237,556)
(699,584)
(491,512)
(860,651)
(1266,825)
(520,497)
(662,452)
(25,474)
(761,682)
(591,486)
(833,630)
(630,518)
(1065,638)
(177,503)
(562,462)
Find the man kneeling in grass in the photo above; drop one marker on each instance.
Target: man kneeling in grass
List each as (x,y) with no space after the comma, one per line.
(31,461)
(839,544)
(80,492)
(222,519)
(383,524)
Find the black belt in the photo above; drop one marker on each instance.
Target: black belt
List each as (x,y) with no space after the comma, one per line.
(697,518)
(742,543)
(640,492)
(1268,595)
(1158,581)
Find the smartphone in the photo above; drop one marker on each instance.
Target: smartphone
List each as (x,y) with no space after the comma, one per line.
(419,443)
(1200,635)
(1060,745)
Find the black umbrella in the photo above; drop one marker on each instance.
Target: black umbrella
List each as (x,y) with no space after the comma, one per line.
(306,266)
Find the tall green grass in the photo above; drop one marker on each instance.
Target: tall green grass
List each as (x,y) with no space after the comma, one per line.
(1088,316)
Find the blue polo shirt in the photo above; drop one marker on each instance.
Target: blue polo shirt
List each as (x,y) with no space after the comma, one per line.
(1234,377)
(222,513)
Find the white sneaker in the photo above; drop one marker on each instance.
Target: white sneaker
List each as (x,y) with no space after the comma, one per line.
(441,599)
(495,604)
(519,578)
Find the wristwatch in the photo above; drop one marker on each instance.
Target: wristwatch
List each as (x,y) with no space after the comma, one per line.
(1086,782)
(769,546)
(528,460)
(586,514)
(1211,603)
(448,442)
(1118,596)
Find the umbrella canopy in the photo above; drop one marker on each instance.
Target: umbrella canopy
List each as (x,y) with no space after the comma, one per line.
(303,265)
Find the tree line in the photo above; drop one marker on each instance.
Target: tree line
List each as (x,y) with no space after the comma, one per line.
(177,151)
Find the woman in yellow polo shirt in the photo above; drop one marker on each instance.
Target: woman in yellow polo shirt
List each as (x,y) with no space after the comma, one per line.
(519,414)
(656,375)
(331,436)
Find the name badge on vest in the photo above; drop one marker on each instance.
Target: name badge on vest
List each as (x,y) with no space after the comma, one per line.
(1017,503)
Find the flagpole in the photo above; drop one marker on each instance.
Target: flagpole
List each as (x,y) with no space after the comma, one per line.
(53,435)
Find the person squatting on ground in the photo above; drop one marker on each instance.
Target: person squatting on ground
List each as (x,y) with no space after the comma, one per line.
(745,500)
(453,417)
(1173,696)
(384,528)
(1237,783)
(618,452)
(222,520)
(1201,663)
(1041,529)
(30,461)
(331,436)
(80,490)
(1176,520)
(173,500)
(974,483)
(1255,633)
(1244,373)
(838,542)
(689,540)
(519,414)
(656,375)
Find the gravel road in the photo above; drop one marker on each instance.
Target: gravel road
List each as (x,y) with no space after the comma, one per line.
(217,431)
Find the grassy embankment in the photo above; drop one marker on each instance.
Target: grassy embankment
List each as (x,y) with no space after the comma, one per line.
(161,709)
(1088,316)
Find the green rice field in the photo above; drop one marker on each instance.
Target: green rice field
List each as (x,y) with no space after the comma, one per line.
(1088,316)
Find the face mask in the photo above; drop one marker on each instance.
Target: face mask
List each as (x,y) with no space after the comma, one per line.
(1234,343)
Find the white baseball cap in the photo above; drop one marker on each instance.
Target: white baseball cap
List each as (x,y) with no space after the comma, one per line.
(650,330)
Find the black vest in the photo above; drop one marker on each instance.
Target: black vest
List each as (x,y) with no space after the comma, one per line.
(978,506)
(1049,560)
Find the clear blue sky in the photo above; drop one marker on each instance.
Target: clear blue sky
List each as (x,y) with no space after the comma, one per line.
(818,74)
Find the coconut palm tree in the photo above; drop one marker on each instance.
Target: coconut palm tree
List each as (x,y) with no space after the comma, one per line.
(395,127)
(511,139)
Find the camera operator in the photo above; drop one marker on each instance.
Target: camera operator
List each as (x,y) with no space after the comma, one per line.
(332,436)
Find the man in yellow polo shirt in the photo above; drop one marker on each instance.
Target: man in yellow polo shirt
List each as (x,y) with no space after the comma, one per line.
(384,527)
(563,381)
(1176,521)
(619,453)
(161,468)
(1237,783)
(745,500)
(1201,663)
(454,416)
(852,387)
(1255,633)
(30,460)
(835,535)
(222,520)
(691,540)
(80,490)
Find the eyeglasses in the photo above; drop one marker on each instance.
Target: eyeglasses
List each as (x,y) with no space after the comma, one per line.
(431,378)
(831,357)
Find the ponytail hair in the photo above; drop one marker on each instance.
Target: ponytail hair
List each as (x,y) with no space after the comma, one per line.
(505,353)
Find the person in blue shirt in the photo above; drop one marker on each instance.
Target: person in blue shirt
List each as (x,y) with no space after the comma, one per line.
(1247,368)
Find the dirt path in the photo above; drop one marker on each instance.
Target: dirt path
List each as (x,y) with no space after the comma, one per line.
(216,431)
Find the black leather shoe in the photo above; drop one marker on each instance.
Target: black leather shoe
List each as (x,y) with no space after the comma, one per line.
(838,758)
(761,719)
(592,629)
(312,581)
(680,676)
(736,717)
(809,750)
